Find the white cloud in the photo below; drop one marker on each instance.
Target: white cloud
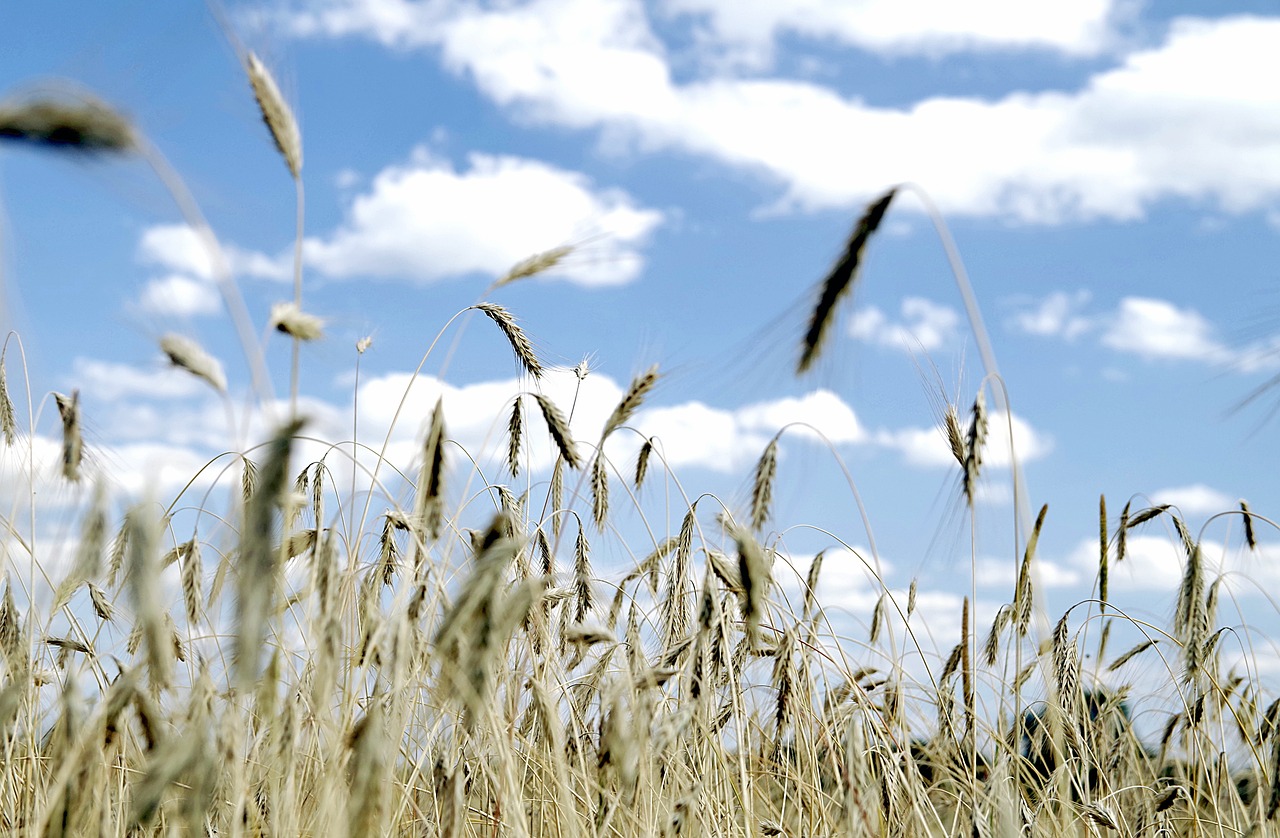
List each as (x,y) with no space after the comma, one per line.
(688,435)
(181,296)
(925,326)
(927,447)
(180,249)
(1155,563)
(1196,499)
(1155,328)
(425,221)
(1192,117)
(155,467)
(1002,574)
(693,434)
(821,411)
(1148,327)
(177,247)
(906,26)
(898,26)
(1057,315)
(112,382)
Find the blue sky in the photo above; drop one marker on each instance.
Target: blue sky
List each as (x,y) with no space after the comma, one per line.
(1110,172)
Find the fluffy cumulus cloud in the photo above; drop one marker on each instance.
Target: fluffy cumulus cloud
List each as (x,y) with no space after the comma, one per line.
(1149,327)
(1057,315)
(1196,499)
(180,295)
(749,29)
(1154,562)
(848,579)
(928,448)
(1192,116)
(693,434)
(1002,574)
(1155,328)
(685,435)
(179,248)
(928,26)
(109,382)
(925,326)
(426,220)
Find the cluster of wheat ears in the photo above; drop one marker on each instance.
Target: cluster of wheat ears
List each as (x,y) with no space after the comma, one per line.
(419,677)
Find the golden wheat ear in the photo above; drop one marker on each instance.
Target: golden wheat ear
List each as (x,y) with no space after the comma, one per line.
(276,113)
(840,280)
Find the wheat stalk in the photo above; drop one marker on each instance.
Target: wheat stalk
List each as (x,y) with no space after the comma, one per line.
(534,265)
(840,279)
(1024,594)
(1250,538)
(428,510)
(258,559)
(762,485)
(558,427)
(288,318)
(519,341)
(77,123)
(975,441)
(144,584)
(185,353)
(8,421)
(642,461)
(515,430)
(631,401)
(276,114)
(72,444)
(599,492)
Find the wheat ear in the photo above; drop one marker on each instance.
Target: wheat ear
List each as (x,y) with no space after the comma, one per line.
(519,341)
(276,114)
(77,123)
(840,280)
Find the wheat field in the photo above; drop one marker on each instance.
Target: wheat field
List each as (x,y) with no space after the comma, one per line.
(276,656)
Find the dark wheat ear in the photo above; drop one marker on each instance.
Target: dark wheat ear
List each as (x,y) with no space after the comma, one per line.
(76,123)
(840,280)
